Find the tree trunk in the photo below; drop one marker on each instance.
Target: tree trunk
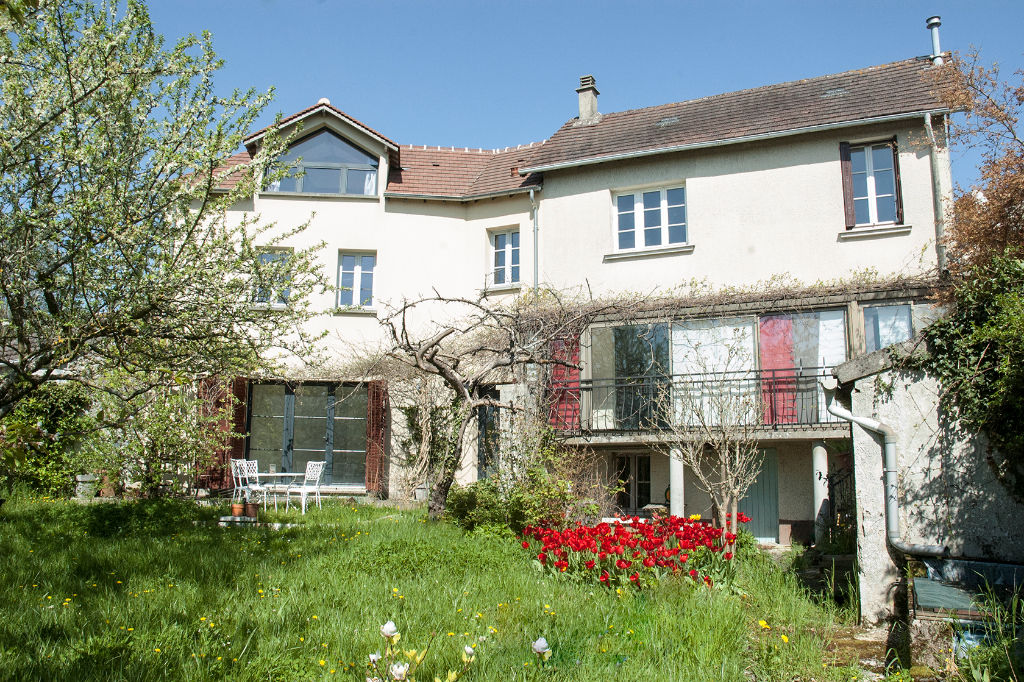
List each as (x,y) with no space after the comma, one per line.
(439,493)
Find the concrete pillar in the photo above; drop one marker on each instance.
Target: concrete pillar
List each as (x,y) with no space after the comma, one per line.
(675,482)
(819,461)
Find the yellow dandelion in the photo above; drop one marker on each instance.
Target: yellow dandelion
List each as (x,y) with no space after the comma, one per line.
(764,624)
(785,639)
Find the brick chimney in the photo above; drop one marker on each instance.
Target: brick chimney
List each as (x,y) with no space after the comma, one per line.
(588,101)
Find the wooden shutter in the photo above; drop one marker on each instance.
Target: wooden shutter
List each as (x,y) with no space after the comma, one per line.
(896,181)
(215,392)
(377,410)
(564,386)
(847,171)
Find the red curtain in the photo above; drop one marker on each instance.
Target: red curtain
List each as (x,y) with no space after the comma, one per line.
(564,389)
(778,377)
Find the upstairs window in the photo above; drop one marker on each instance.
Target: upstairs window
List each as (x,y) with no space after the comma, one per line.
(650,219)
(325,163)
(272,278)
(505,260)
(355,279)
(871,184)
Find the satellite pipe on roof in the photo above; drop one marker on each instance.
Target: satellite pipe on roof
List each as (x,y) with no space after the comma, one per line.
(933,23)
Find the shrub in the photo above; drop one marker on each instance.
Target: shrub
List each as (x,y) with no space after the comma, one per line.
(44,434)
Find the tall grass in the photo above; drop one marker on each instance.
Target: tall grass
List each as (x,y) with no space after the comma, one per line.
(153,591)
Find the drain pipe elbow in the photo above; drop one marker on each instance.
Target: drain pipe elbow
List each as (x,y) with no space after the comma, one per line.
(890,473)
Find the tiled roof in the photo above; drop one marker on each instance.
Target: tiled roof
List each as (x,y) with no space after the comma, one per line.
(308,110)
(233,176)
(455,173)
(881,91)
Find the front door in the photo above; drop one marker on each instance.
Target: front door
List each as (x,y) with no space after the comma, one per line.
(761,503)
(634,481)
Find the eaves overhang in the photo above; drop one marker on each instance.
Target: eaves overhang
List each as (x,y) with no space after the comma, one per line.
(463,197)
(623,156)
(321,109)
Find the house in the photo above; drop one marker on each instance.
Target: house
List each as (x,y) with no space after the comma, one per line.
(836,182)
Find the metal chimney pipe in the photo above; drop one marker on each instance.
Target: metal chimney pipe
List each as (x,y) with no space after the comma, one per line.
(933,24)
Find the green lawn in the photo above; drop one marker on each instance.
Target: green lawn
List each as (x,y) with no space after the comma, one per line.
(143,591)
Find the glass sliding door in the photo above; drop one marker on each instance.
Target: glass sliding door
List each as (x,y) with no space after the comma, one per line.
(292,424)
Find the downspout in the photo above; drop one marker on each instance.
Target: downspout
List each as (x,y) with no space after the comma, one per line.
(892,507)
(937,208)
(536,247)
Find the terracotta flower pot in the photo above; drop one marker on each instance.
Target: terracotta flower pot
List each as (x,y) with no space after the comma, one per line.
(238,509)
(251,508)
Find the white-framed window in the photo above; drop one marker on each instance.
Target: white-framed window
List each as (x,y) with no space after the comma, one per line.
(871,184)
(505,257)
(355,279)
(885,325)
(272,279)
(326,163)
(649,219)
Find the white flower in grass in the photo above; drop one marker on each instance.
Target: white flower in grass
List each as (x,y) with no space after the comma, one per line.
(399,670)
(374,658)
(541,648)
(389,630)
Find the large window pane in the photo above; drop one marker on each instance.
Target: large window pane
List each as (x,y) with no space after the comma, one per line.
(265,433)
(881,157)
(887,209)
(350,434)
(351,401)
(310,433)
(858,160)
(348,468)
(268,399)
(886,325)
(360,181)
(322,180)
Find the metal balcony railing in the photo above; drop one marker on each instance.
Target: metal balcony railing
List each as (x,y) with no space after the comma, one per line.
(768,398)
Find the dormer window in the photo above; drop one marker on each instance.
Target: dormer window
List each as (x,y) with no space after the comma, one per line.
(326,163)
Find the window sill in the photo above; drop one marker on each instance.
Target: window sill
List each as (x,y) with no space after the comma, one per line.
(276,307)
(315,195)
(355,310)
(871,231)
(649,253)
(503,288)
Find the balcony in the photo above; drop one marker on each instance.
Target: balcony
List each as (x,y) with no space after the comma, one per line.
(772,400)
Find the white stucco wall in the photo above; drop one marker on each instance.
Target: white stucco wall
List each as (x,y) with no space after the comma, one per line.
(753,211)
(948,495)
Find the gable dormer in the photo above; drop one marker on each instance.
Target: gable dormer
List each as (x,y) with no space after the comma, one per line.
(332,154)
(323,162)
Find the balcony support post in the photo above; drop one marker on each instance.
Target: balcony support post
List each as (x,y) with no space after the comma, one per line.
(819,460)
(675,481)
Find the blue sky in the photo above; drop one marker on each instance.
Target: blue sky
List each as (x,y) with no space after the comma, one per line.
(491,74)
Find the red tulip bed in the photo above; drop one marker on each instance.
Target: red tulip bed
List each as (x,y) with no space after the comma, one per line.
(638,553)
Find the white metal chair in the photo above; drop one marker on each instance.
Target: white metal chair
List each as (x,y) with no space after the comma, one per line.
(254,490)
(237,480)
(310,484)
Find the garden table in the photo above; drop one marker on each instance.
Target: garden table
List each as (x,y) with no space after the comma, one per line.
(285,477)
